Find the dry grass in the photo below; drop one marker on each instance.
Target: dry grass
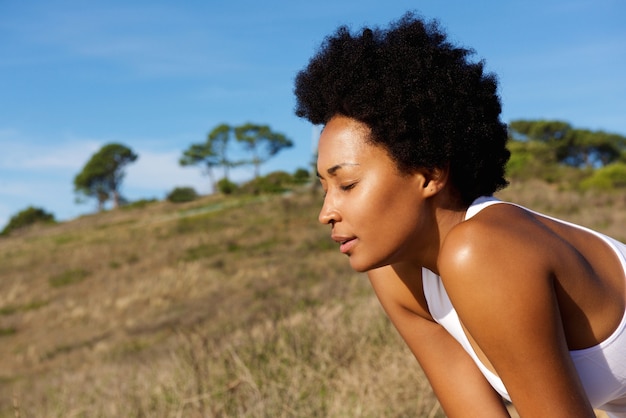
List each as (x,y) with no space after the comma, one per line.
(602,211)
(222,307)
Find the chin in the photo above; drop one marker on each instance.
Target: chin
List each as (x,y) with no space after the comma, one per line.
(361,266)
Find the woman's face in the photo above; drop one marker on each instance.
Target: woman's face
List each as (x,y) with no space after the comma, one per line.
(373,209)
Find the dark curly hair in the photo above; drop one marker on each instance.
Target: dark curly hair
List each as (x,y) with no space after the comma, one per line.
(424,101)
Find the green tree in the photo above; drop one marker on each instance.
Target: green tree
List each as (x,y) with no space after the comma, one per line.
(201,154)
(570,146)
(539,130)
(102,176)
(211,154)
(220,138)
(585,148)
(262,142)
(29,216)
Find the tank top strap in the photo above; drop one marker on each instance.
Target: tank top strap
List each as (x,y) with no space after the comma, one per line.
(479,204)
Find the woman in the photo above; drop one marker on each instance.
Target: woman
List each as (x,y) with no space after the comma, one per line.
(494,300)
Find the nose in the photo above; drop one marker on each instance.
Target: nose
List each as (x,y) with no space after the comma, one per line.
(328,214)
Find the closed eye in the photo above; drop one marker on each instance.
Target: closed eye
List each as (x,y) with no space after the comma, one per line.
(348,187)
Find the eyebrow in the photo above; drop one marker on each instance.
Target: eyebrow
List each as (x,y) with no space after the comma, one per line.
(333,170)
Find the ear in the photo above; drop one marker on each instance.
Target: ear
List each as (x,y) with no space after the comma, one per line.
(434,180)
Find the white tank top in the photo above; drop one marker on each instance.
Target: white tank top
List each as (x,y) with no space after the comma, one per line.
(602,368)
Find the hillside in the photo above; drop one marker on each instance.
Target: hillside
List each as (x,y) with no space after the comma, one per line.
(226,306)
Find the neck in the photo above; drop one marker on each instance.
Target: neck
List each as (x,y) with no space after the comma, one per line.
(443,214)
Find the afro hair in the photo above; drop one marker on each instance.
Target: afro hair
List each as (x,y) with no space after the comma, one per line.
(424,101)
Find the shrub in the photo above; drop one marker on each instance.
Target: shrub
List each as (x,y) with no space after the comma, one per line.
(275,182)
(610,177)
(226,186)
(301,176)
(535,160)
(182,194)
(531,159)
(29,216)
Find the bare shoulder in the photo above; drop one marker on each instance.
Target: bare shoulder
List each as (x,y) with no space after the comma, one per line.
(498,269)
(500,235)
(495,261)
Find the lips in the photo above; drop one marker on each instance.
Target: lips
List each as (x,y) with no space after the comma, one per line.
(347,246)
(346,243)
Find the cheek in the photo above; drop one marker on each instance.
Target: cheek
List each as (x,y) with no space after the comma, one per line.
(383,242)
(398,218)
(388,222)
(392,203)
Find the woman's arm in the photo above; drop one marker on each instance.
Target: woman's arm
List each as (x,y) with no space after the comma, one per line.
(503,290)
(459,386)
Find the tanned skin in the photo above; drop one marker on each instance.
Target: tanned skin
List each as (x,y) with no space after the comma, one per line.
(526,289)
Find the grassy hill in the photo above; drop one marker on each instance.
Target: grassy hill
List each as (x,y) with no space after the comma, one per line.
(226,306)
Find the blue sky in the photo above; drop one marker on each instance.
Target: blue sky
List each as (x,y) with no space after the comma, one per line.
(158,76)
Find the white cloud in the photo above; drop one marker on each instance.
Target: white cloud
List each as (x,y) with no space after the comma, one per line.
(161,171)
(52,194)
(5,215)
(20,153)
(33,189)
(34,172)
(40,173)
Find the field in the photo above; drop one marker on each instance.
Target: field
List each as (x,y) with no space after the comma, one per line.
(223,307)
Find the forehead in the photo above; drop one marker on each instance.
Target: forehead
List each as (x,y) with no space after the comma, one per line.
(344,139)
